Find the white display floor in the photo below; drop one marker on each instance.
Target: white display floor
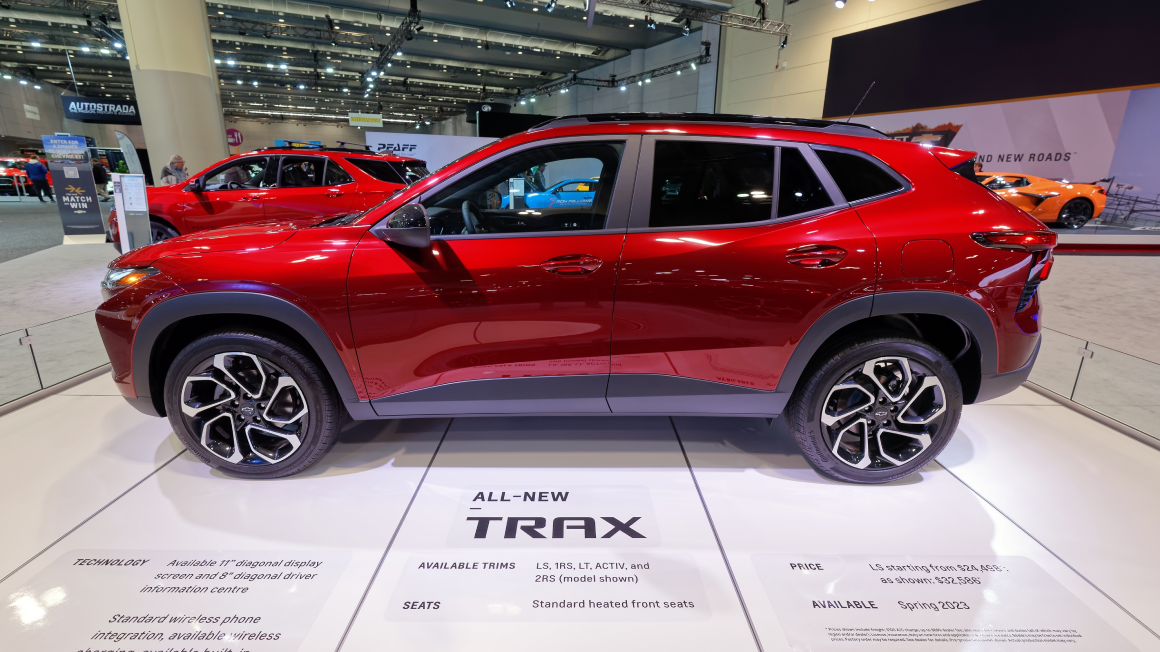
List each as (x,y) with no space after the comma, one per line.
(1037,529)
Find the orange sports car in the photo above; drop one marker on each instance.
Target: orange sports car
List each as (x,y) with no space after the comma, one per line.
(1069,205)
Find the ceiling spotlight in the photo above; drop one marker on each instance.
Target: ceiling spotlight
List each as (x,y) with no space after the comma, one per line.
(784,42)
(301,86)
(85,48)
(648,81)
(269,65)
(239,81)
(7,76)
(649,23)
(693,66)
(255,82)
(104,50)
(398,53)
(522,102)
(116,45)
(330,70)
(426,122)
(36,44)
(623,87)
(688,26)
(366,95)
(345,90)
(839,3)
(231,62)
(24,82)
(282,66)
(550,6)
(509,3)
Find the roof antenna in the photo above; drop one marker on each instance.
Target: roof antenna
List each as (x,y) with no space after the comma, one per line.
(859,105)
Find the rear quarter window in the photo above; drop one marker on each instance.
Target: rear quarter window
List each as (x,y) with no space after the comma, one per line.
(858,177)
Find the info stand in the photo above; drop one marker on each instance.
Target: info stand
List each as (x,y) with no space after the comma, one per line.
(75,190)
(132,210)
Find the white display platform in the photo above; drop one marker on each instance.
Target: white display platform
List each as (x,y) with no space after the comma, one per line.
(721,538)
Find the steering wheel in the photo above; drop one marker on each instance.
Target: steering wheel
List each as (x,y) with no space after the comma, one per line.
(471,217)
(234,185)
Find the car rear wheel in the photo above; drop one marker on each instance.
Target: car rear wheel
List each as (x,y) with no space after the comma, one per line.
(251,405)
(1075,214)
(159,231)
(876,409)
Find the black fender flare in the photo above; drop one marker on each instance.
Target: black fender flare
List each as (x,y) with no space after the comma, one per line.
(963,310)
(169,312)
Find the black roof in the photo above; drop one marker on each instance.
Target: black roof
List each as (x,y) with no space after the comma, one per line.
(832,126)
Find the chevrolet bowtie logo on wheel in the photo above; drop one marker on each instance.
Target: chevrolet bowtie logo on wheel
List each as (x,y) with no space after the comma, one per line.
(531,527)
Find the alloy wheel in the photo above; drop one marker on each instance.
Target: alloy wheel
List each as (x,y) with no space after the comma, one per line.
(883,413)
(244,409)
(1075,214)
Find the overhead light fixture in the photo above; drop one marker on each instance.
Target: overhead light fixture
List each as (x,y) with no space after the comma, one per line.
(649,22)
(693,65)
(330,70)
(398,53)
(7,76)
(117,45)
(623,87)
(550,6)
(269,65)
(36,86)
(255,82)
(282,66)
(239,81)
(231,62)
(648,81)
(522,102)
(509,3)
(36,44)
(839,3)
(301,86)
(688,26)
(24,82)
(85,48)
(104,50)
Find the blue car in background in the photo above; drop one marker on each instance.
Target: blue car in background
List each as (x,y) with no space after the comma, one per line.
(573,193)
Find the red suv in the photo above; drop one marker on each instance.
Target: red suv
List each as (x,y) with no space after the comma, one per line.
(276,183)
(724,265)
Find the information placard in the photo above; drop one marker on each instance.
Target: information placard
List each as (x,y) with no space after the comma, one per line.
(886,603)
(208,601)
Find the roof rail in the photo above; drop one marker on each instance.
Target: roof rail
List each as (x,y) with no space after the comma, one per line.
(848,128)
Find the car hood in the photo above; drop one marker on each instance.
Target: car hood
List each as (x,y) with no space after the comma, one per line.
(251,236)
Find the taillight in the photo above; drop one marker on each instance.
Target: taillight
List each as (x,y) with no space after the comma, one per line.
(1017,240)
(1101,190)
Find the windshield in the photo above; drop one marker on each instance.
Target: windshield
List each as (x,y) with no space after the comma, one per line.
(10,164)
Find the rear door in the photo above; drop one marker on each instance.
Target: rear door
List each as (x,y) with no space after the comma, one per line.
(309,186)
(735,247)
(508,310)
(379,180)
(234,194)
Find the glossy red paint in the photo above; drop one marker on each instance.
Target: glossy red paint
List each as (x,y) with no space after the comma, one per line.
(188,212)
(719,304)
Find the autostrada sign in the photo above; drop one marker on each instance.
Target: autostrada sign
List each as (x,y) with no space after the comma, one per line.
(101,109)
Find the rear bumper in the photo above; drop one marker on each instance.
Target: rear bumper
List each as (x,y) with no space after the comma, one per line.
(996,385)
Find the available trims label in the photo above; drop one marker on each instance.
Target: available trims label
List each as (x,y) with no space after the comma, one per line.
(829,602)
(549,586)
(171,600)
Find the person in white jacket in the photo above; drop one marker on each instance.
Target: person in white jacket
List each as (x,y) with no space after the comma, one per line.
(175,172)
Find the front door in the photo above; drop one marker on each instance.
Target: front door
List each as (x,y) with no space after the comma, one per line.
(234,194)
(724,270)
(309,186)
(508,310)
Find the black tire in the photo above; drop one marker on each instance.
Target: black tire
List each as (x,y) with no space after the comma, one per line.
(159,231)
(833,449)
(251,442)
(1075,213)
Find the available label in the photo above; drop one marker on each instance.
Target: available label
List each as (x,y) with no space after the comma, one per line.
(163,600)
(927,603)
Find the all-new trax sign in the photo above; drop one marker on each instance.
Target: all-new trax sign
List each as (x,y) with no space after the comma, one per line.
(101,109)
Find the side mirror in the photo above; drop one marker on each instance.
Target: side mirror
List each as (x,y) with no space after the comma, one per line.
(197,185)
(409,227)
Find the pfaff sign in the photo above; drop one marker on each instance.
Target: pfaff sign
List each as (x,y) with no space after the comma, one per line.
(101,109)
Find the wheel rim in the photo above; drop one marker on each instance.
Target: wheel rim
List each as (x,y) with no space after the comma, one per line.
(244,409)
(883,413)
(159,233)
(1074,214)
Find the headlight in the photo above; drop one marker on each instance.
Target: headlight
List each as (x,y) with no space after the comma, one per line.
(119,278)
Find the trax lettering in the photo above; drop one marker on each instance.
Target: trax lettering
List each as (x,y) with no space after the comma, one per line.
(533,525)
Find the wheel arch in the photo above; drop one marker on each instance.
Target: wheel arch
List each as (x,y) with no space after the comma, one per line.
(172,324)
(956,325)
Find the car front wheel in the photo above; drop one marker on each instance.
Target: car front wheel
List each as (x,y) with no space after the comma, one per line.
(251,405)
(877,409)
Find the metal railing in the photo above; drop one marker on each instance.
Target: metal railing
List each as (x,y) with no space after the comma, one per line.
(1123,209)
(38,357)
(1119,386)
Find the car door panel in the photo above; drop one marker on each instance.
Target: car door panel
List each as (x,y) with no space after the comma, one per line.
(485,309)
(300,191)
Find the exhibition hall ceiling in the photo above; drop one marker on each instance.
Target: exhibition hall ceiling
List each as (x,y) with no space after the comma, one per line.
(315,62)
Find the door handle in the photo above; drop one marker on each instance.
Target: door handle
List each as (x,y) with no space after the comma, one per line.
(253,197)
(572,264)
(816,256)
(334,192)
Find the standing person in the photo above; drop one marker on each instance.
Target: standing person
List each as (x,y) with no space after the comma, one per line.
(175,172)
(101,178)
(38,174)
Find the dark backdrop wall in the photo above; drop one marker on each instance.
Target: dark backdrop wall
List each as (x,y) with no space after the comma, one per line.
(995,50)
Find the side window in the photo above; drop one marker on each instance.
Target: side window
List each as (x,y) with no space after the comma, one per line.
(300,172)
(799,190)
(335,175)
(707,184)
(237,175)
(999,183)
(514,194)
(857,177)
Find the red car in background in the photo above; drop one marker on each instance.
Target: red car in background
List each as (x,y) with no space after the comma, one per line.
(276,183)
(12,168)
